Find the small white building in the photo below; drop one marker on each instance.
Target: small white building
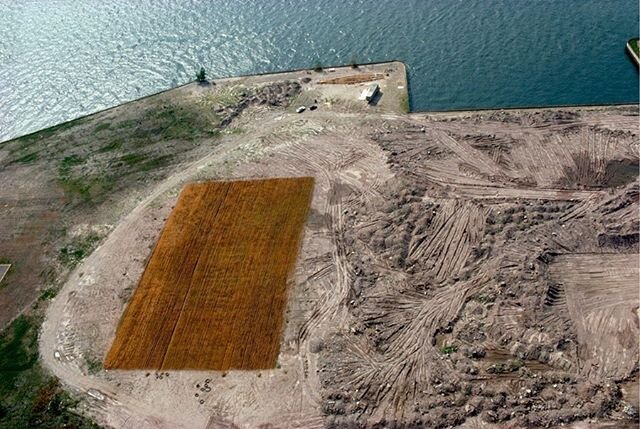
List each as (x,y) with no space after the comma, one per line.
(370,92)
(4,269)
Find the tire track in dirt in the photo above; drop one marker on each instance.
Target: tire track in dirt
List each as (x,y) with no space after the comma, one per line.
(329,164)
(469,155)
(387,382)
(403,365)
(458,227)
(602,299)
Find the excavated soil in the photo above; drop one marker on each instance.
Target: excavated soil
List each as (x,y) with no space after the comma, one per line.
(511,307)
(459,269)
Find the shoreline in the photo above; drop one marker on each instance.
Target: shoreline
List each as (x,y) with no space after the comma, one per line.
(224,79)
(324,69)
(529,108)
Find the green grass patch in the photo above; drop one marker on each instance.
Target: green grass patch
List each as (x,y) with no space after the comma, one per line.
(27,159)
(103,126)
(128,123)
(228,97)
(94,365)
(18,351)
(68,163)
(634,46)
(155,163)
(141,162)
(447,350)
(48,294)
(171,122)
(41,138)
(29,397)
(133,158)
(78,249)
(87,189)
(110,147)
(48,132)
(83,188)
(113,150)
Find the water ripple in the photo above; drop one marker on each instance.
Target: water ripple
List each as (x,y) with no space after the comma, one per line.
(60,59)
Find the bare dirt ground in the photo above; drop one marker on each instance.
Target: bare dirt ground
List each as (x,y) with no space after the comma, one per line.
(600,294)
(466,269)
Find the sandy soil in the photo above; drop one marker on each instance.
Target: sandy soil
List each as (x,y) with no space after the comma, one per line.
(446,275)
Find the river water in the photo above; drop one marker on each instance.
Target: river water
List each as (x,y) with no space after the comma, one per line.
(60,59)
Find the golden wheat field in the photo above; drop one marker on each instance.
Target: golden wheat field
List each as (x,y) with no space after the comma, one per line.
(214,291)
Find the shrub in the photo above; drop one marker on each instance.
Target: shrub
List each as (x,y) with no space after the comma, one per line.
(447,350)
(201,75)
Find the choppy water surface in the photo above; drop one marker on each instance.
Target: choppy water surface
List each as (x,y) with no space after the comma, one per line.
(60,59)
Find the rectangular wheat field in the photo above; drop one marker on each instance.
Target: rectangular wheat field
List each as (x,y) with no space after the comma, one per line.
(213,294)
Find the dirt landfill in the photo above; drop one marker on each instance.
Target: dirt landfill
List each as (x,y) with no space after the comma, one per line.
(461,269)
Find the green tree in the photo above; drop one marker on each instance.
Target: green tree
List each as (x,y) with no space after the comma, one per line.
(201,76)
